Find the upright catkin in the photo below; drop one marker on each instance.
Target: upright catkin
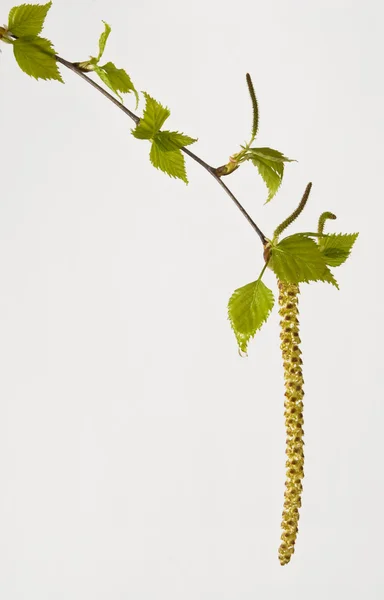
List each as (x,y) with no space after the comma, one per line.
(293,376)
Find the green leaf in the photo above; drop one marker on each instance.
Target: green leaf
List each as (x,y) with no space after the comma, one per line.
(116,79)
(153,119)
(335,248)
(248,308)
(103,40)
(272,173)
(120,80)
(171,162)
(270,164)
(27,19)
(105,79)
(36,57)
(272,155)
(92,63)
(167,141)
(298,258)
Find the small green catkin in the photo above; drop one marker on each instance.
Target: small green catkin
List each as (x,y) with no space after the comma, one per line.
(255,106)
(293,376)
(292,217)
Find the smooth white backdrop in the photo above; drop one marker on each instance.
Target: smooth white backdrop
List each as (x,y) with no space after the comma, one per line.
(140,456)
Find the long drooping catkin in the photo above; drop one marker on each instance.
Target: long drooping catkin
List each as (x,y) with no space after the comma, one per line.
(293,376)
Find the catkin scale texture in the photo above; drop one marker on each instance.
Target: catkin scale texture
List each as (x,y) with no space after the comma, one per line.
(293,377)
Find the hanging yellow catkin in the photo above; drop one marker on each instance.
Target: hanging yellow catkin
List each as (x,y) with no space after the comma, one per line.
(293,376)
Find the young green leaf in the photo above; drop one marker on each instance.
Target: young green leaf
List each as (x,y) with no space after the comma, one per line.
(36,57)
(27,19)
(116,79)
(171,162)
(248,308)
(153,119)
(271,155)
(103,40)
(270,164)
(335,248)
(298,258)
(105,79)
(120,80)
(89,65)
(168,141)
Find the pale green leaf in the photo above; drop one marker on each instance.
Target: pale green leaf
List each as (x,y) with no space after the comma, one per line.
(153,119)
(105,79)
(103,40)
(272,155)
(335,248)
(298,258)
(272,174)
(36,57)
(172,140)
(270,164)
(171,162)
(27,19)
(119,80)
(248,308)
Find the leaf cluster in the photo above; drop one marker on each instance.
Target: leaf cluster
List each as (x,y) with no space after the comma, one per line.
(295,259)
(35,55)
(165,153)
(269,162)
(116,79)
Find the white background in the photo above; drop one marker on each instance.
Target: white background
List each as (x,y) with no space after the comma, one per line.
(140,456)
